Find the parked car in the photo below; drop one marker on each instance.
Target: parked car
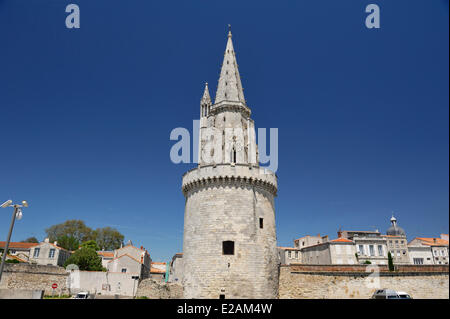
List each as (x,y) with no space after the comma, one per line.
(388,294)
(82,295)
(403,295)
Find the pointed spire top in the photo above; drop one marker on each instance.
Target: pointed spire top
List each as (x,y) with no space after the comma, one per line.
(230,86)
(206,98)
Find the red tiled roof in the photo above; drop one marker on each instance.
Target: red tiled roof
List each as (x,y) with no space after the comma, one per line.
(157,271)
(16,258)
(433,241)
(342,240)
(107,254)
(13,245)
(124,256)
(158,263)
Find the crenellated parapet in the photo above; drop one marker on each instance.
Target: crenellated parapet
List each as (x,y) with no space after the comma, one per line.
(229,174)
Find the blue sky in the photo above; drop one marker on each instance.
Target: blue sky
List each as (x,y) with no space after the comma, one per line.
(86,113)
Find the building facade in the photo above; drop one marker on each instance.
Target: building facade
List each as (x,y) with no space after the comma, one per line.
(308,240)
(131,259)
(18,250)
(339,251)
(397,243)
(46,253)
(422,248)
(106,257)
(229,242)
(176,268)
(370,246)
(289,255)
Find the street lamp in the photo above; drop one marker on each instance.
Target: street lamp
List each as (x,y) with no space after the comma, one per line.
(17,213)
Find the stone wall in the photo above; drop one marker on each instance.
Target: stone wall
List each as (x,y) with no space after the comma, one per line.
(21,294)
(153,289)
(34,277)
(358,281)
(218,213)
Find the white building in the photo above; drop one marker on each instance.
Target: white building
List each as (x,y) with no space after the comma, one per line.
(339,251)
(130,259)
(46,253)
(289,255)
(106,257)
(309,240)
(421,249)
(370,246)
(176,268)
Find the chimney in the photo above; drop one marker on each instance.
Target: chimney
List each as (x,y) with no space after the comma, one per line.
(46,240)
(339,234)
(142,247)
(434,240)
(55,243)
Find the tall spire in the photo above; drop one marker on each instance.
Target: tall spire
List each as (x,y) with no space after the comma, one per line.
(230,86)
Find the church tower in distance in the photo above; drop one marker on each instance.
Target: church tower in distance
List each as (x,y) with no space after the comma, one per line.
(229,243)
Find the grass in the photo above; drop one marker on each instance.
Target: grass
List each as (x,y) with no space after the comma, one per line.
(57,297)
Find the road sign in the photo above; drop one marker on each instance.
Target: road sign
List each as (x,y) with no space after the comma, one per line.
(54,286)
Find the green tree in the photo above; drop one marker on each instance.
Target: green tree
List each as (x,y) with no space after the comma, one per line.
(72,228)
(68,242)
(368,262)
(30,240)
(91,244)
(86,259)
(108,238)
(390,262)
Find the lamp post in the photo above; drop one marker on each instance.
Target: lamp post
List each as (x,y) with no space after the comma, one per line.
(17,212)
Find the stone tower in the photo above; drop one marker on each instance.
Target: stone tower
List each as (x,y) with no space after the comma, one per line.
(229,244)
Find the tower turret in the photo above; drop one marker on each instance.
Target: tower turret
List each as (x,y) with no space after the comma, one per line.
(229,242)
(205,102)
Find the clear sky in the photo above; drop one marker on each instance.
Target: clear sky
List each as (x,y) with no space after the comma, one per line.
(362,114)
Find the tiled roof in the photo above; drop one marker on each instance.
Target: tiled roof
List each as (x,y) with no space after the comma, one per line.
(158,263)
(361,231)
(342,240)
(107,254)
(157,271)
(16,258)
(433,241)
(288,248)
(124,256)
(13,245)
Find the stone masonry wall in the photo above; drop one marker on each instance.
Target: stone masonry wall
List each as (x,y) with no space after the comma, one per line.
(153,289)
(231,212)
(343,282)
(34,277)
